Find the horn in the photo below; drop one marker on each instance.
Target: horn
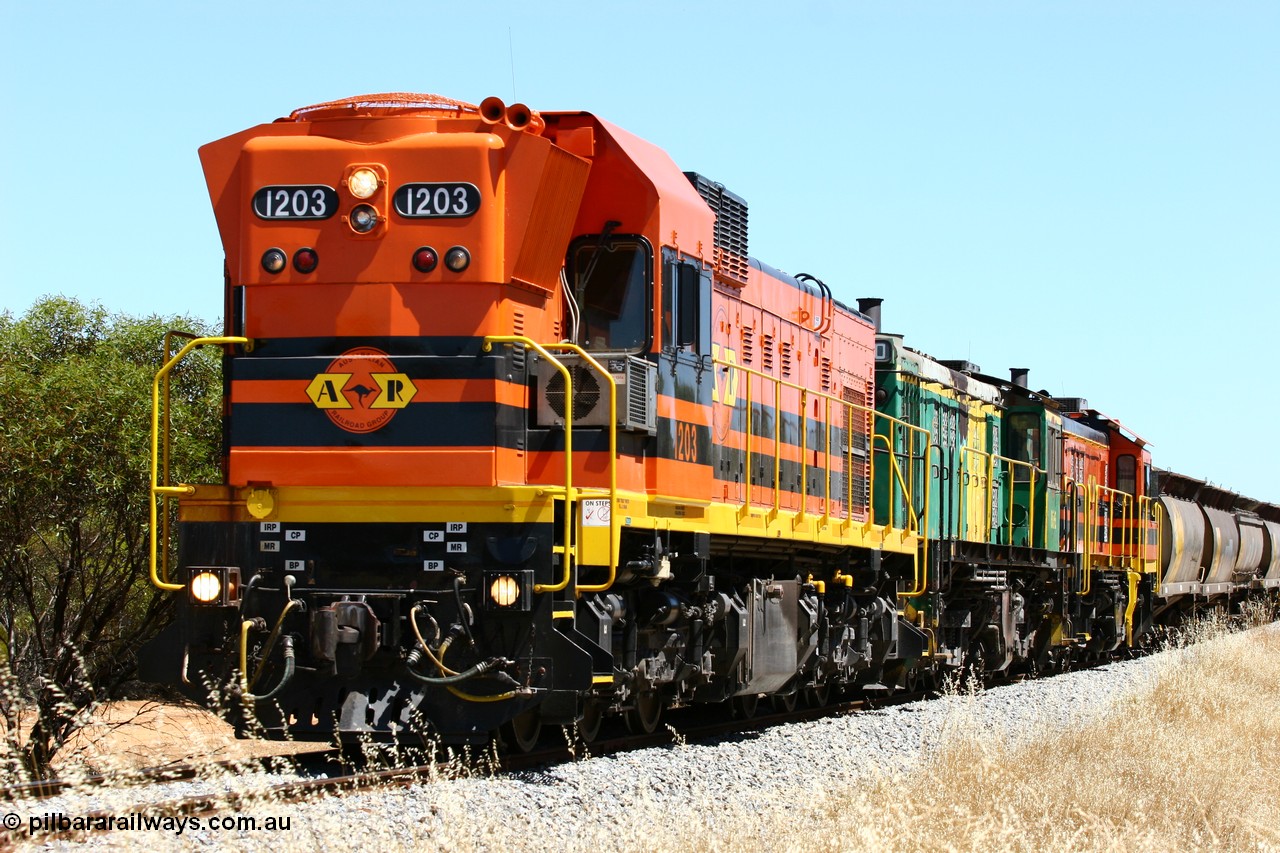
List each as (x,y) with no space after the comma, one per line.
(519,116)
(492,110)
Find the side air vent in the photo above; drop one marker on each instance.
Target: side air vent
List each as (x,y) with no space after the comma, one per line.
(586,393)
(636,380)
(731,227)
(517,352)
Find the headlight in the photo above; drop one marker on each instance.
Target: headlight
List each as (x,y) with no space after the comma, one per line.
(214,586)
(510,590)
(505,590)
(363,218)
(206,587)
(363,183)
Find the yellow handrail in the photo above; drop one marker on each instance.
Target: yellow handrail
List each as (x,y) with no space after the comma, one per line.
(848,407)
(165,430)
(1013,465)
(613,466)
(1090,518)
(1073,488)
(826,489)
(567,553)
(921,555)
(1157,518)
(165,490)
(1125,520)
(777,450)
(897,472)
(919,578)
(804,455)
(745,509)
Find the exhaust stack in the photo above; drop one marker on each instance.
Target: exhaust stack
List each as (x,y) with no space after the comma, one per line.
(871,307)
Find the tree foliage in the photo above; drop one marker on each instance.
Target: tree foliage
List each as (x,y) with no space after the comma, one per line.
(75,420)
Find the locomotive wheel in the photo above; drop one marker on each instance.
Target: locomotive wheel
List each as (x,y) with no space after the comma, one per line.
(643,718)
(745,706)
(522,732)
(785,703)
(592,721)
(818,696)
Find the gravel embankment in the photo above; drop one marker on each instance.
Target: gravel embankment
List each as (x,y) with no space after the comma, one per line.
(573,805)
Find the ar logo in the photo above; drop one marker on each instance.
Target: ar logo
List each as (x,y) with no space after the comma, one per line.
(361,390)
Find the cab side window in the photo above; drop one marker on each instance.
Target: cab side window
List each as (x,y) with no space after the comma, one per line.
(1024,428)
(612,286)
(1127,474)
(686,308)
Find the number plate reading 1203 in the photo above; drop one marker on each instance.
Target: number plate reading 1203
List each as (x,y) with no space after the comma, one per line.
(430,201)
(302,201)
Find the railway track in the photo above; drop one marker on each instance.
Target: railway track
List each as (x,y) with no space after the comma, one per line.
(44,789)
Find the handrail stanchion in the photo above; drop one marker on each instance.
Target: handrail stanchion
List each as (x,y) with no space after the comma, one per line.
(614,535)
(165,490)
(567,553)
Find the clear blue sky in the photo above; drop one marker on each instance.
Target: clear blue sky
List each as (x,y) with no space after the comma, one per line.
(1088,189)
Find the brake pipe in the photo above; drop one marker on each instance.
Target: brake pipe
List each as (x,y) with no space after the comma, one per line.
(271,639)
(449,677)
(289,665)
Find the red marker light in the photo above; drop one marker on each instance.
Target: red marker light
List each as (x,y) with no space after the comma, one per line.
(425,259)
(305,260)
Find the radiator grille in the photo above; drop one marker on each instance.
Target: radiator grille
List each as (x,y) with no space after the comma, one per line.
(731,254)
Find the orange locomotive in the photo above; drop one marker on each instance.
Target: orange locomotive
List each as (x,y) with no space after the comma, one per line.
(516,433)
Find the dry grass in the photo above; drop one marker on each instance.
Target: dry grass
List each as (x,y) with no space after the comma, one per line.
(1189,763)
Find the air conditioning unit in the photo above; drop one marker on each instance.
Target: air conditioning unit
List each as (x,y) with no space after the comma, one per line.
(636,379)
